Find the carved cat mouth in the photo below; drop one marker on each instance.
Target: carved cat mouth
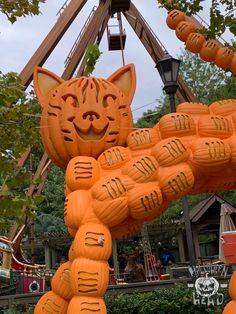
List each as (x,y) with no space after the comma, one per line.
(92,134)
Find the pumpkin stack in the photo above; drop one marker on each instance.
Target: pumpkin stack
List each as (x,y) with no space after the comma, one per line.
(191,151)
(209,50)
(84,116)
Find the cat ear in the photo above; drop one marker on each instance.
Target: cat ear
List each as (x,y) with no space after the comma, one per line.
(125,80)
(44,82)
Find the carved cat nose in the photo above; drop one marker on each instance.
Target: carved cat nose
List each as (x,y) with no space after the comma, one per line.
(92,115)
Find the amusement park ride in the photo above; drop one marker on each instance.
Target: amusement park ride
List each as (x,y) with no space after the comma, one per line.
(91,33)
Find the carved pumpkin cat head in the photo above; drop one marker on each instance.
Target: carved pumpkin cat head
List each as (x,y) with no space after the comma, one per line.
(86,115)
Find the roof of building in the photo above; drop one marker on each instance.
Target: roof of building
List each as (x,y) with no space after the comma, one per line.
(206,205)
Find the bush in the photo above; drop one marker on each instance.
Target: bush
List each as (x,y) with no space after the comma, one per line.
(161,301)
(19,310)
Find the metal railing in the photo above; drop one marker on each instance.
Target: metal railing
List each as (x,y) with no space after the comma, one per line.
(76,43)
(148,26)
(63,7)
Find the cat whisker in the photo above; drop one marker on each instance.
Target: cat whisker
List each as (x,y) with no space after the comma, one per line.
(31,115)
(150,103)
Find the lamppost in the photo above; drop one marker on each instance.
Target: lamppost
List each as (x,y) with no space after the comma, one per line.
(168,68)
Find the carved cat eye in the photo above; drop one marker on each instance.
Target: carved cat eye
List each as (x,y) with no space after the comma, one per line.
(70,99)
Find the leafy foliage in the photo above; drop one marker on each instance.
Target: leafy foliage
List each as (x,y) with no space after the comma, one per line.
(18,131)
(92,55)
(151,117)
(208,82)
(161,301)
(28,309)
(50,213)
(222,15)
(16,9)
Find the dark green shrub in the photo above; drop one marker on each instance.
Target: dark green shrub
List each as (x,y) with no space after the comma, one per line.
(176,300)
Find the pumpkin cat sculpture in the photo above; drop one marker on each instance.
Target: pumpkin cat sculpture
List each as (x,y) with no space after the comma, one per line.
(188,152)
(83,116)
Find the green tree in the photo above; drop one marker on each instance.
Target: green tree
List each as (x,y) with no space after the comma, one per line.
(50,211)
(18,131)
(152,116)
(16,9)
(208,82)
(91,56)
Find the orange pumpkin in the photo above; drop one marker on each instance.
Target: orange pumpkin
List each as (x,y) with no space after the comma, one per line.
(61,281)
(193,108)
(83,116)
(209,50)
(170,152)
(112,212)
(111,201)
(196,110)
(183,30)
(216,126)
(51,303)
(224,57)
(174,17)
(112,187)
(114,158)
(75,207)
(89,278)
(81,173)
(232,285)
(143,138)
(232,66)
(176,181)
(210,154)
(145,201)
(93,241)
(194,42)
(141,169)
(86,305)
(230,308)
(176,124)
(223,107)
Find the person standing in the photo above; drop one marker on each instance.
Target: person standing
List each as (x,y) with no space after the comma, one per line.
(167,258)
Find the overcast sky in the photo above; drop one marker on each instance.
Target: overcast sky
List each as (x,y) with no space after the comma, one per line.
(19,41)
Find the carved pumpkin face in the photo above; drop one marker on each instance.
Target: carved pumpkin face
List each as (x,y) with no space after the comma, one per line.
(86,115)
